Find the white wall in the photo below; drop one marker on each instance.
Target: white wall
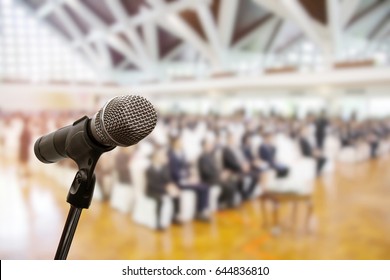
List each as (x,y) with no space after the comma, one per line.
(369,100)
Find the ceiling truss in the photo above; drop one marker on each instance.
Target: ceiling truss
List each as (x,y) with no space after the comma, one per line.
(138,40)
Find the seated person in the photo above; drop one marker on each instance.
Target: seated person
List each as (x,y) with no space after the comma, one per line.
(267,152)
(321,124)
(308,151)
(235,162)
(181,175)
(374,137)
(211,174)
(350,134)
(255,163)
(345,136)
(159,183)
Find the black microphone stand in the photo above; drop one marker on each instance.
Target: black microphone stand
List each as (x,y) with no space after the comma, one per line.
(85,152)
(68,233)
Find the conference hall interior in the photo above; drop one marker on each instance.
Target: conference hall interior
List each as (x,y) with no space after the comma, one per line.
(272,140)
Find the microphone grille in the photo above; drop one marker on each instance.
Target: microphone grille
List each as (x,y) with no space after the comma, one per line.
(125,120)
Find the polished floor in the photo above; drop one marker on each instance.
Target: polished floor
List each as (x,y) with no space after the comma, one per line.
(351,221)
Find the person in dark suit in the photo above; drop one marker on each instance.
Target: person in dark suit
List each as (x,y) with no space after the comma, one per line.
(267,152)
(308,151)
(246,148)
(211,174)
(345,135)
(231,162)
(374,136)
(254,161)
(321,125)
(181,175)
(351,134)
(159,183)
(208,170)
(235,161)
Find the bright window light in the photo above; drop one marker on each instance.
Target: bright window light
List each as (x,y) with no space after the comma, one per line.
(31,51)
(292,57)
(308,47)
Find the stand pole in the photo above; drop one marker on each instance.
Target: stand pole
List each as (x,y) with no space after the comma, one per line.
(85,152)
(68,233)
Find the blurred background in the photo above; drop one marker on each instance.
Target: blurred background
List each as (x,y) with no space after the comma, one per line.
(273,137)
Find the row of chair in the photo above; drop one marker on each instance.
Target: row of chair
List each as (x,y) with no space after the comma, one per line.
(352,154)
(132,200)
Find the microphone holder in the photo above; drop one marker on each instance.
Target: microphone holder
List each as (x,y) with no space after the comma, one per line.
(85,152)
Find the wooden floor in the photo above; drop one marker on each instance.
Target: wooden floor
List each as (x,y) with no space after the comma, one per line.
(351,221)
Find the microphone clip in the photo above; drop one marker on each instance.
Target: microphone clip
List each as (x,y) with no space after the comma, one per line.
(80,147)
(85,152)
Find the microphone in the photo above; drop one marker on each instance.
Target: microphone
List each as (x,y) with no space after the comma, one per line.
(123,121)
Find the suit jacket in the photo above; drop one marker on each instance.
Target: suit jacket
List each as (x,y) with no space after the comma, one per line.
(247,152)
(320,127)
(178,167)
(306,148)
(157,180)
(267,153)
(230,161)
(208,169)
(345,137)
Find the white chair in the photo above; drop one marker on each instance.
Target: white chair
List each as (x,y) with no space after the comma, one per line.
(347,155)
(145,212)
(187,206)
(298,188)
(332,147)
(191,145)
(299,181)
(145,208)
(362,152)
(359,153)
(384,148)
(122,197)
(287,150)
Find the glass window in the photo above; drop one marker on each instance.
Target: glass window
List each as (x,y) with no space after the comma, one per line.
(31,50)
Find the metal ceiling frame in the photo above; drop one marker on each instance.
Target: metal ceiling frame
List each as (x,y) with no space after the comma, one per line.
(143,51)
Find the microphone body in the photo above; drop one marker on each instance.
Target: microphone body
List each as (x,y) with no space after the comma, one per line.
(51,147)
(75,142)
(123,121)
(67,142)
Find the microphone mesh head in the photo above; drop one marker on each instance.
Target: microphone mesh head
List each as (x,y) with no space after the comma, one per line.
(125,120)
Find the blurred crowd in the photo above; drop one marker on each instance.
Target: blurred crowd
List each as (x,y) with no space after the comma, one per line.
(194,153)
